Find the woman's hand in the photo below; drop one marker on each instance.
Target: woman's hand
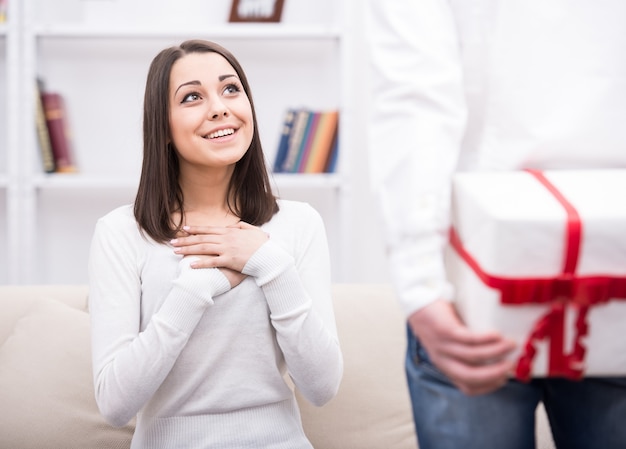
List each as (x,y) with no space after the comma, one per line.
(220,247)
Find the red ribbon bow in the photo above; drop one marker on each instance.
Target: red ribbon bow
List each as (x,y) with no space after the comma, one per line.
(582,291)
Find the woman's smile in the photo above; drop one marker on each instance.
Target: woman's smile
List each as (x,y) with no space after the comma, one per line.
(220,133)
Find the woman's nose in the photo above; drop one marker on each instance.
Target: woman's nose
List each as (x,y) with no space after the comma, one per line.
(217,110)
(216,115)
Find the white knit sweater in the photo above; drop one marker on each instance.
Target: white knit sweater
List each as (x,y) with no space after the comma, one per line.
(203,365)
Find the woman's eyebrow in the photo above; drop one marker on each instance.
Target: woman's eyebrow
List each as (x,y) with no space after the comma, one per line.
(198,83)
(188,83)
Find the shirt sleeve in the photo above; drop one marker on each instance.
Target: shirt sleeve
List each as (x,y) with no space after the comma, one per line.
(416,127)
(129,364)
(298,291)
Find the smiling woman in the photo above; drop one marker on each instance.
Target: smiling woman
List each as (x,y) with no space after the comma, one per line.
(197,314)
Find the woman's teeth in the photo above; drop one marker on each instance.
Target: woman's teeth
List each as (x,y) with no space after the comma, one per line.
(221,133)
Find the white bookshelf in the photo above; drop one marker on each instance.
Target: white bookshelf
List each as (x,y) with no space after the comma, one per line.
(99,65)
(9,143)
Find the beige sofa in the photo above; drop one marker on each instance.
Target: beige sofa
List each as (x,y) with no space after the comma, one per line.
(46,391)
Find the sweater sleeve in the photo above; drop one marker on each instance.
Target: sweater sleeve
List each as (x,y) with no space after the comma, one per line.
(417,125)
(297,289)
(129,363)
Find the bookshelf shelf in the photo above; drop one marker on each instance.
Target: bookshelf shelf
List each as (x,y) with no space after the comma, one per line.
(308,180)
(235,31)
(57,181)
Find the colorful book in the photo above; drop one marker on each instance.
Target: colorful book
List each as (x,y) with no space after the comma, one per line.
(58,129)
(283,144)
(295,139)
(331,164)
(43,137)
(3,10)
(323,144)
(307,141)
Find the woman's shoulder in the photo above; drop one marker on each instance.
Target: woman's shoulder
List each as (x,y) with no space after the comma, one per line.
(295,216)
(120,218)
(296,209)
(120,214)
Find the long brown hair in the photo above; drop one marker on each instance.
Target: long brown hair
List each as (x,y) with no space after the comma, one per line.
(159,194)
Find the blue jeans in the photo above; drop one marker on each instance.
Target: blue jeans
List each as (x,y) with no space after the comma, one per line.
(589,414)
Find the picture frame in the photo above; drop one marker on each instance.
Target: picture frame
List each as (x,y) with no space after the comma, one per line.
(256,10)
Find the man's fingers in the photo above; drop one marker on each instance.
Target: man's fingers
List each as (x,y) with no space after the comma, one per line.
(479,354)
(480,379)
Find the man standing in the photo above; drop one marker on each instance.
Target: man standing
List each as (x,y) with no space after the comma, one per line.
(463,85)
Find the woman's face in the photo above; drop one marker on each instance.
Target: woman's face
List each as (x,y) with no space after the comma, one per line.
(210,115)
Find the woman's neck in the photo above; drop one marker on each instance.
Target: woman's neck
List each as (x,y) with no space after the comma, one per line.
(205,200)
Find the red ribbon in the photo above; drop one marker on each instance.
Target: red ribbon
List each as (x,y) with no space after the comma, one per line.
(582,291)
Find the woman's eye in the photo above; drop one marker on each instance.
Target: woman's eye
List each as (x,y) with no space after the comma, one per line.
(232,89)
(190,97)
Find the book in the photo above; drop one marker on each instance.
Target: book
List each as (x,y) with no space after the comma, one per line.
(43,137)
(3,10)
(309,139)
(331,164)
(308,142)
(283,144)
(59,132)
(295,140)
(324,143)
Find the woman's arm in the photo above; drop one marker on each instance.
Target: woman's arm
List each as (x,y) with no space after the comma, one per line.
(129,364)
(298,292)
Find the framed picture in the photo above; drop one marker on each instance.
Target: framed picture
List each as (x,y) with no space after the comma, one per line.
(256,10)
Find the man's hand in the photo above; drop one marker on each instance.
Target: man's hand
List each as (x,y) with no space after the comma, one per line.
(475,362)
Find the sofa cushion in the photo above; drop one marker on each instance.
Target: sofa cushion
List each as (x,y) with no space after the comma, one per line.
(46,386)
(16,300)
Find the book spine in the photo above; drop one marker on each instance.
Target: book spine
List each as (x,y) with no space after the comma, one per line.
(56,120)
(307,140)
(295,140)
(45,145)
(331,163)
(3,10)
(322,146)
(283,144)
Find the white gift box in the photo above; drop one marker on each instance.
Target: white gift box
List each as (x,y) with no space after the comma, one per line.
(516,242)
